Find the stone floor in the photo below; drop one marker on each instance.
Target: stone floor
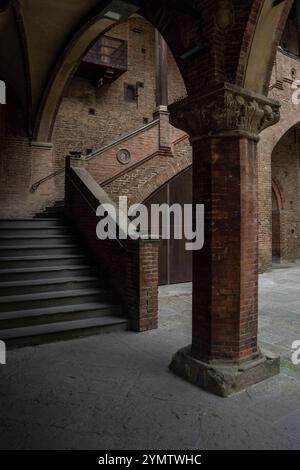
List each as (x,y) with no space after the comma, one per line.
(115,391)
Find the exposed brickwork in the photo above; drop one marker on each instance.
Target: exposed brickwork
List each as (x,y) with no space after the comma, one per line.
(106,165)
(225,272)
(21,166)
(142,284)
(144,180)
(225,312)
(76,129)
(281,161)
(131,266)
(285,174)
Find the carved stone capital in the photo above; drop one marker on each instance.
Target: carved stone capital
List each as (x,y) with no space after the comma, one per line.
(228,110)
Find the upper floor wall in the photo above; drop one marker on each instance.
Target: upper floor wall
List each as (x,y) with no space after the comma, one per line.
(90,117)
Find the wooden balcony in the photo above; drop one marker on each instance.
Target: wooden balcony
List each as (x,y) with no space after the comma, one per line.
(105,62)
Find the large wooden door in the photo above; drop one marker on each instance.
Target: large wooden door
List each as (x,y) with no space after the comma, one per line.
(175,263)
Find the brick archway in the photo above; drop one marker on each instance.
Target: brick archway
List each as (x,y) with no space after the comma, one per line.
(63,73)
(238,65)
(84,38)
(262,36)
(268,142)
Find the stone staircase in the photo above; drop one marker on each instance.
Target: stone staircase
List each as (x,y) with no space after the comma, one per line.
(49,288)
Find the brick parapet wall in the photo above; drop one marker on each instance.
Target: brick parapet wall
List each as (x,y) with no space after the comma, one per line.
(130,266)
(141,145)
(144,180)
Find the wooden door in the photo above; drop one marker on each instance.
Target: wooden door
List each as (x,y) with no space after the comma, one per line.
(175,263)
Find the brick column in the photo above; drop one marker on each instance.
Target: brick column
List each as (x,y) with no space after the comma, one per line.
(163,115)
(224,125)
(142,283)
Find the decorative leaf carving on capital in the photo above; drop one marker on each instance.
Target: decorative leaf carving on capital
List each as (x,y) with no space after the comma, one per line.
(227,111)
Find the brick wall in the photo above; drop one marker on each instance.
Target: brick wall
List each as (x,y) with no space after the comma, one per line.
(22,164)
(144,180)
(76,129)
(106,165)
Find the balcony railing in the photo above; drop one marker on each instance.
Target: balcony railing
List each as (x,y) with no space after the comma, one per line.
(108,52)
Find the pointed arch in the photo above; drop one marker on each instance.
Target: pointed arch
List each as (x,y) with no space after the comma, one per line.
(261,39)
(278,192)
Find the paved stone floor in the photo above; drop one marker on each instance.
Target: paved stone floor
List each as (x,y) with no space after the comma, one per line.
(115,391)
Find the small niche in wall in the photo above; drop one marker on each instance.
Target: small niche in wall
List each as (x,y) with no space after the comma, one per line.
(146,120)
(92,111)
(2,92)
(88,151)
(130,94)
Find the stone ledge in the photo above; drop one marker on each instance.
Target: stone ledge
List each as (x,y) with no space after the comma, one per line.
(224,379)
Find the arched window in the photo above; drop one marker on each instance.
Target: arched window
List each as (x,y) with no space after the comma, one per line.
(2,92)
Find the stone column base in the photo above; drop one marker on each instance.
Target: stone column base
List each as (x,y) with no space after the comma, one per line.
(224,379)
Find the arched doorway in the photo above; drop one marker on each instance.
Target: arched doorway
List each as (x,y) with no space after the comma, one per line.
(286,198)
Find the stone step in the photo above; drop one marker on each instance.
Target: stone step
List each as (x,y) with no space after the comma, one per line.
(19,318)
(34,250)
(45,333)
(45,272)
(39,261)
(45,215)
(34,231)
(49,285)
(52,299)
(32,223)
(49,288)
(24,240)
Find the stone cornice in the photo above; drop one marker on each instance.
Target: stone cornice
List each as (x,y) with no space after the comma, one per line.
(227,110)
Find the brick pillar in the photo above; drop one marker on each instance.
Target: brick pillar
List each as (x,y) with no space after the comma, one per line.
(142,283)
(223,126)
(163,115)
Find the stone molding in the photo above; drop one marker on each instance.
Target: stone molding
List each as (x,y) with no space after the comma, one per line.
(227,110)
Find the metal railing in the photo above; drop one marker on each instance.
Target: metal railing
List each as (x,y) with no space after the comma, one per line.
(36,185)
(75,154)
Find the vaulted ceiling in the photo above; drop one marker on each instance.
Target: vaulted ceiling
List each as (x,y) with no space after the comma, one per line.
(41,42)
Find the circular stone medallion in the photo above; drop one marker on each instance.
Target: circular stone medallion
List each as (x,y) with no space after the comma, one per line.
(123,156)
